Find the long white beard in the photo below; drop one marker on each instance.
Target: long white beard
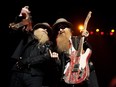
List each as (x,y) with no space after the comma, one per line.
(63,42)
(42,37)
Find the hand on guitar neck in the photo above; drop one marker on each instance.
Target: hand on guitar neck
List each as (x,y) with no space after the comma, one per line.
(85,33)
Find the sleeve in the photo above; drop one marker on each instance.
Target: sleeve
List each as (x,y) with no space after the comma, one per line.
(86,45)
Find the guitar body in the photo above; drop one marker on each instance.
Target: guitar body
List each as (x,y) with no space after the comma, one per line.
(78,69)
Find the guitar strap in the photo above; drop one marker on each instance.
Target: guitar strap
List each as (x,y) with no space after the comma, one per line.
(75,41)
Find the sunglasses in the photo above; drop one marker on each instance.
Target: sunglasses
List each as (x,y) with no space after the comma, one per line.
(63,26)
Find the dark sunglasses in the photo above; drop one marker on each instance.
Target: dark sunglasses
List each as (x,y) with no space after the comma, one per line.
(63,26)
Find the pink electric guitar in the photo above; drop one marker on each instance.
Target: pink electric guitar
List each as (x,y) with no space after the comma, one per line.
(78,69)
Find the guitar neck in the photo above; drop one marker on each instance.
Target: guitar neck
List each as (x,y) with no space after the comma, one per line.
(80,48)
(18,25)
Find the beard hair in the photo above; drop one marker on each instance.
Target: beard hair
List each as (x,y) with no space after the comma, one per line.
(42,37)
(63,42)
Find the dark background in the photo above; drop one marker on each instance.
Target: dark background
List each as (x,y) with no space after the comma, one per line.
(75,11)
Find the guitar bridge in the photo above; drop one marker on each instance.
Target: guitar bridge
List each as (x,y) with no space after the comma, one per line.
(81,73)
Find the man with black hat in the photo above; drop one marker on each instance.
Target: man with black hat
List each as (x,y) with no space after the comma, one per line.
(33,56)
(68,48)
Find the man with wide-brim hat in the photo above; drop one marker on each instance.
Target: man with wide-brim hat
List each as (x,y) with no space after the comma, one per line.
(32,57)
(66,44)
(59,26)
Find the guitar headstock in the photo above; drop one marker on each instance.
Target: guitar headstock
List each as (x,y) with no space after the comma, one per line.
(25,22)
(25,12)
(84,31)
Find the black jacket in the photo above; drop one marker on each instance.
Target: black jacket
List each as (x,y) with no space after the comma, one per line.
(35,56)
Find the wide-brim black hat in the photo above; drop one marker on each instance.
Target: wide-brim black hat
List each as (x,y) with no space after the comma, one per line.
(61,22)
(43,25)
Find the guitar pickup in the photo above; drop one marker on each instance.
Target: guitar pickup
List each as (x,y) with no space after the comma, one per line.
(76,67)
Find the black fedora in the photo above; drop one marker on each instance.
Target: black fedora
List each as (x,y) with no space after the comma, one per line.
(43,25)
(62,22)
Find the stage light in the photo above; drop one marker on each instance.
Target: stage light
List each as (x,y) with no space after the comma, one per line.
(111,33)
(102,33)
(81,27)
(97,30)
(112,30)
(91,32)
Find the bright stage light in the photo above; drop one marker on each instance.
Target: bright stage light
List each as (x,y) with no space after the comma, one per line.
(97,30)
(111,33)
(91,32)
(112,30)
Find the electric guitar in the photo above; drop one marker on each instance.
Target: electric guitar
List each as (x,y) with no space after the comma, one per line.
(25,22)
(77,69)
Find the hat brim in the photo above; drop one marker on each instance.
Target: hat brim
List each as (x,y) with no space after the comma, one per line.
(56,26)
(40,25)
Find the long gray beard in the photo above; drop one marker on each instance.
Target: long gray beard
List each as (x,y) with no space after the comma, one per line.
(63,42)
(42,37)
